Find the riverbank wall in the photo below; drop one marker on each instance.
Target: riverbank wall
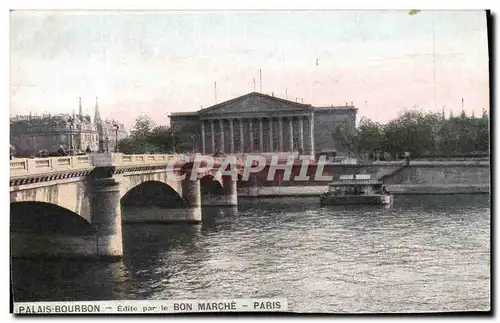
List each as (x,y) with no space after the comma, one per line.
(420,178)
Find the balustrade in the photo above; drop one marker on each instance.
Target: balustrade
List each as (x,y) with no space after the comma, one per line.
(28,166)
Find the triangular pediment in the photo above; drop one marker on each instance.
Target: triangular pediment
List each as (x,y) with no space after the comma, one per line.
(254,102)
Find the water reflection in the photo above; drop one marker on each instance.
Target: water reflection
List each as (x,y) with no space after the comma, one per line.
(423,253)
(68,280)
(216,219)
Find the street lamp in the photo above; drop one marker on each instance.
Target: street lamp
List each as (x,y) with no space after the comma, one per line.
(116,135)
(107,144)
(192,140)
(71,121)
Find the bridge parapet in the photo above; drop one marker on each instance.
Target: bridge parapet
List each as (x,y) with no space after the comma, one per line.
(30,166)
(148,159)
(20,167)
(118,159)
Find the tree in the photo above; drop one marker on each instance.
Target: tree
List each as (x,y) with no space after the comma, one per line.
(148,138)
(369,136)
(345,134)
(448,138)
(482,143)
(131,145)
(142,127)
(413,131)
(161,137)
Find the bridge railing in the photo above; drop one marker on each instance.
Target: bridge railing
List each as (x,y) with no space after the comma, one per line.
(148,159)
(28,166)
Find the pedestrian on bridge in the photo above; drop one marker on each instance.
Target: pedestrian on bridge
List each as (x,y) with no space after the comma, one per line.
(61,151)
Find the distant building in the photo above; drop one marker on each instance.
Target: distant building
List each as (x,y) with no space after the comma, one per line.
(110,132)
(256,122)
(32,134)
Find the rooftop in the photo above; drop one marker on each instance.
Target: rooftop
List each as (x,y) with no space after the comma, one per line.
(348,106)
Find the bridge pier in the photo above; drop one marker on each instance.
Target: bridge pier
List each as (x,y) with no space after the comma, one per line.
(230,193)
(106,217)
(191,194)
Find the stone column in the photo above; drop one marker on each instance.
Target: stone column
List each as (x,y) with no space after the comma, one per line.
(203,136)
(311,134)
(242,148)
(271,141)
(106,217)
(261,139)
(191,194)
(213,135)
(280,133)
(250,122)
(301,134)
(221,125)
(290,122)
(231,135)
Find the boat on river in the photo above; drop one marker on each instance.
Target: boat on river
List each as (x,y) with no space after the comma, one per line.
(356,189)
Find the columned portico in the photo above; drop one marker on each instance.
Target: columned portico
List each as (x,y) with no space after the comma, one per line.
(301,134)
(203,148)
(266,137)
(213,135)
(250,130)
(221,127)
(260,123)
(231,136)
(261,137)
(242,143)
(271,139)
(280,133)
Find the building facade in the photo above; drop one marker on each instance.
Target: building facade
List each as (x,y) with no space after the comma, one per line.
(110,132)
(33,134)
(113,132)
(259,123)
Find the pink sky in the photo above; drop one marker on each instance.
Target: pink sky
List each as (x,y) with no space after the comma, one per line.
(160,62)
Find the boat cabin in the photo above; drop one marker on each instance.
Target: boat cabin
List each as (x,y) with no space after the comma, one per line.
(355,185)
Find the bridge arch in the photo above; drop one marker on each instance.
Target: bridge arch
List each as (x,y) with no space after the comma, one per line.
(47,230)
(151,192)
(211,190)
(47,218)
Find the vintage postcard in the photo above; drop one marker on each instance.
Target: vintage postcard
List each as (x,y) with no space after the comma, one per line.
(284,161)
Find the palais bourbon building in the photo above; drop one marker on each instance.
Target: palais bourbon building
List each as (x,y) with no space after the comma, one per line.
(260,123)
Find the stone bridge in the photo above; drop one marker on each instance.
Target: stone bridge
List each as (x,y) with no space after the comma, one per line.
(72,205)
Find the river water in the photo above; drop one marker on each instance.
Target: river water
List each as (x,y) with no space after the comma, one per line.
(425,253)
